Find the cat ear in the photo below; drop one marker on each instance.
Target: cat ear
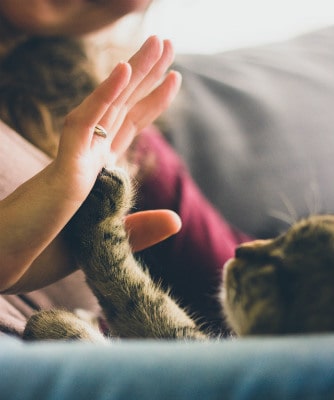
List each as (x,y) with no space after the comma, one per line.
(260,251)
(252,248)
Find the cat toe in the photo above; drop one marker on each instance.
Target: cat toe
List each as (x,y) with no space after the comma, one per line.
(113,191)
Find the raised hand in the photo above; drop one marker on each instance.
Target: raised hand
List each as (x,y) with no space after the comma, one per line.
(135,93)
(128,100)
(131,98)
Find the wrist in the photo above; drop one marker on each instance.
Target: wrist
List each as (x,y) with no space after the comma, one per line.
(67,185)
(33,215)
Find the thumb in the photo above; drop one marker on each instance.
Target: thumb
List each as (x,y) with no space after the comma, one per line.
(147,228)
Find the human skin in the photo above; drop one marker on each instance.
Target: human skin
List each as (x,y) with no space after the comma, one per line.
(67,17)
(33,253)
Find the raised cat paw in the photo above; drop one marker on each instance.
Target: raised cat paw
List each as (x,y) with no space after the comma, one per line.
(110,198)
(96,231)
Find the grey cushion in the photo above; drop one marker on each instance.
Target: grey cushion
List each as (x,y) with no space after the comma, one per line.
(256,127)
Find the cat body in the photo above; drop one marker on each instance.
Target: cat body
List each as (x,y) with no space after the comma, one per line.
(279,286)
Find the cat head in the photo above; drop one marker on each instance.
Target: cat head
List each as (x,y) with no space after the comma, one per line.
(283,285)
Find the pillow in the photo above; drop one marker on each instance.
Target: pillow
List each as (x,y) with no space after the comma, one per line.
(255,127)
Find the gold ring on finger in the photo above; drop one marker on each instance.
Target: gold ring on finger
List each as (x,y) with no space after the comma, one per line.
(100,131)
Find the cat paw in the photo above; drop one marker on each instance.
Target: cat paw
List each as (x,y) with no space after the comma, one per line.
(60,325)
(98,227)
(112,193)
(110,198)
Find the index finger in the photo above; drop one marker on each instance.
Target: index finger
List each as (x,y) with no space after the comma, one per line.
(142,63)
(89,113)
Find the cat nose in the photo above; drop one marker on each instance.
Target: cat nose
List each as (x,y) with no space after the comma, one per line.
(250,248)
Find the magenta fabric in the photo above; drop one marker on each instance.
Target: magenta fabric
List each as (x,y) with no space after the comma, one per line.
(191,262)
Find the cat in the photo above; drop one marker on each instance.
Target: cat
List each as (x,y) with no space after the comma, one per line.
(283,285)
(133,305)
(277,286)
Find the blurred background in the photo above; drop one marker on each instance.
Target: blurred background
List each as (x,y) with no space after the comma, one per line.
(212,25)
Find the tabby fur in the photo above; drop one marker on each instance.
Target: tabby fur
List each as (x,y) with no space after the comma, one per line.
(133,305)
(284,285)
(279,286)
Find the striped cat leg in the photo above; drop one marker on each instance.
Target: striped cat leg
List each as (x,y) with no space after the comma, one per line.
(132,303)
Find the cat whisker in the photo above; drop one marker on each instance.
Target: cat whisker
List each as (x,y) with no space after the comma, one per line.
(290,216)
(282,216)
(313,198)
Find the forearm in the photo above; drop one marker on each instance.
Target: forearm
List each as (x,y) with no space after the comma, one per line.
(31,217)
(53,264)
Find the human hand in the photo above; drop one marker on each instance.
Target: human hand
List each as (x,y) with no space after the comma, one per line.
(132,96)
(124,104)
(128,100)
(146,228)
